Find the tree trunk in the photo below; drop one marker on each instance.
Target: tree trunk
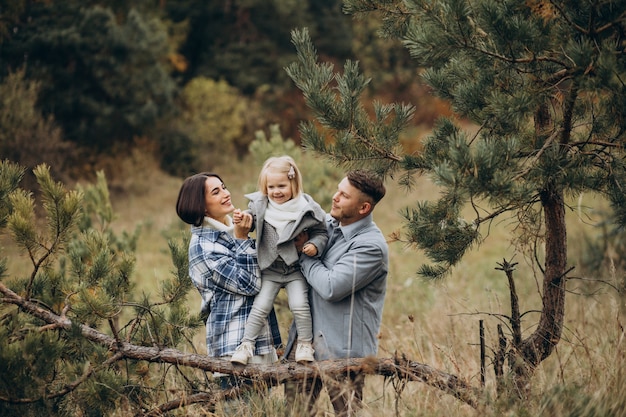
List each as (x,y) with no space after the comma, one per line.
(539,345)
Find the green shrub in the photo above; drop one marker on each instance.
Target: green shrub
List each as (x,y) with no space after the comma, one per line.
(214,118)
(26,136)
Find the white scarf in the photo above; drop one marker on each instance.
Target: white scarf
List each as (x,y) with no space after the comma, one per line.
(280,215)
(217,225)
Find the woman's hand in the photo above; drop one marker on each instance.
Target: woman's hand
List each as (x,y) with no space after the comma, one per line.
(243,224)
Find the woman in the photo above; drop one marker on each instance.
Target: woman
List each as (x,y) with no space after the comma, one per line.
(223,267)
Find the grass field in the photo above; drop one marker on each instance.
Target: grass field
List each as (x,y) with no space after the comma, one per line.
(435,323)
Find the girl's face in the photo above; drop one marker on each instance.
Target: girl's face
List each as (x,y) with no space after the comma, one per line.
(278,187)
(217,199)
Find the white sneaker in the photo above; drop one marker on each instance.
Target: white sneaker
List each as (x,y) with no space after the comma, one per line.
(243,353)
(304,353)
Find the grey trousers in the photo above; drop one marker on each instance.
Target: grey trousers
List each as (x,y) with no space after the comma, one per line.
(297,295)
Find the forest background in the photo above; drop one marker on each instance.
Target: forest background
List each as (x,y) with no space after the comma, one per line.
(150,92)
(179,80)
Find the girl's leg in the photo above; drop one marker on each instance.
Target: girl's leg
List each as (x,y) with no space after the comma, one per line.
(263,303)
(257,318)
(298,296)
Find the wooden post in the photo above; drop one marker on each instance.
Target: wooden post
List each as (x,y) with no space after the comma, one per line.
(482,352)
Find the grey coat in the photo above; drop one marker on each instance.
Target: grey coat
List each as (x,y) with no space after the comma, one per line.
(347,295)
(311,219)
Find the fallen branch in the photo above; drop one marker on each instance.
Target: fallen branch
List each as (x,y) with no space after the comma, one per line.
(209,398)
(274,374)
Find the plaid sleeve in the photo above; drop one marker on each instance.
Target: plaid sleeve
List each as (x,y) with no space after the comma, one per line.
(233,269)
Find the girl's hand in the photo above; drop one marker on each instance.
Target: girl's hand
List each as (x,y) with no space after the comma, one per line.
(300,240)
(243,225)
(237,216)
(309,249)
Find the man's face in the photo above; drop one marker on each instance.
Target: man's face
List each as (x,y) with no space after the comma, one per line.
(349,204)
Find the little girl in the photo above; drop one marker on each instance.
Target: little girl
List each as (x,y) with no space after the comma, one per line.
(281,212)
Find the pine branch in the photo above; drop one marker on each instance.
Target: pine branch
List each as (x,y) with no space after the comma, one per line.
(533,162)
(68,387)
(88,372)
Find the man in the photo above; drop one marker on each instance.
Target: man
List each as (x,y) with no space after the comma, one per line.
(347,290)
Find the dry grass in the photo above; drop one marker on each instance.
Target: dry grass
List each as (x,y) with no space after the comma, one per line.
(437,323)
(434,323)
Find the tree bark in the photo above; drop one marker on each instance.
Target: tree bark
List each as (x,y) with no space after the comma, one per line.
(274,374)
(540,344)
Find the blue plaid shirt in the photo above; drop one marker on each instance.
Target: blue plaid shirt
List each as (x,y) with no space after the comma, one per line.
(226,272)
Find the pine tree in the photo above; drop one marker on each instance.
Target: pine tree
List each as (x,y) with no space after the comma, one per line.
(545,84)
(75,338)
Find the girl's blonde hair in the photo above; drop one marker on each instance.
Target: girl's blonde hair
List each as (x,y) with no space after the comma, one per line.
(281,165)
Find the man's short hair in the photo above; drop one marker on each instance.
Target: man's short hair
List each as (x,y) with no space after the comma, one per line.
(368,183)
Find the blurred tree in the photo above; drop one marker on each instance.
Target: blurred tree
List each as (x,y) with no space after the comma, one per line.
(10,11)
(25,135)
(246,42)
(110,70)
(213,117)
(545,84)
(104,77)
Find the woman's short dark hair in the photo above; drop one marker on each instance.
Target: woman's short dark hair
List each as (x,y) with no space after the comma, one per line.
(368,183)
(191,203)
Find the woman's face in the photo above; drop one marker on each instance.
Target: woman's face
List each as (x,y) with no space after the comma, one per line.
(217,199)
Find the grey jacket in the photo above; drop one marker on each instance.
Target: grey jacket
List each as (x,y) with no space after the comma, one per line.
(348,287)
(311,219)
